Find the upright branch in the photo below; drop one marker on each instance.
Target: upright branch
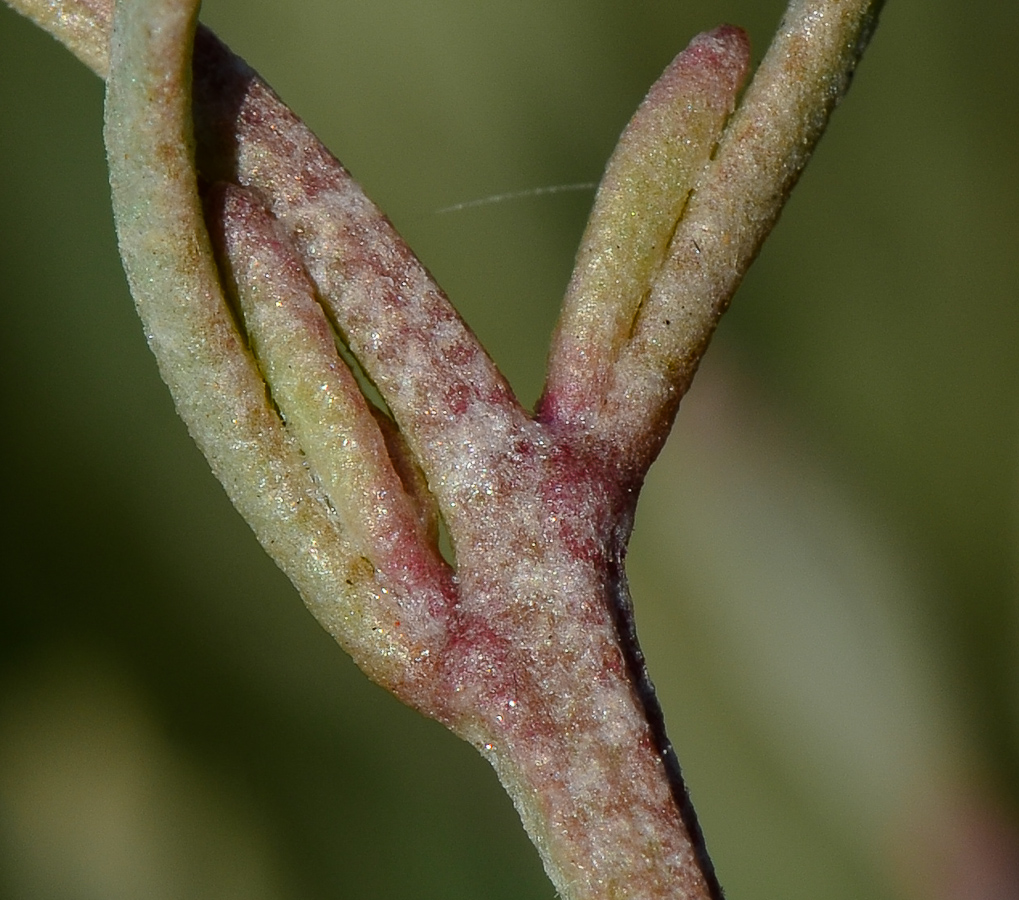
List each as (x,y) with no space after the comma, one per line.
(735,204)
(652,303)
(279,302)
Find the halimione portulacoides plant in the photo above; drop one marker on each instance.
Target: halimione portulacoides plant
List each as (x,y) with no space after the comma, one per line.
(354,419)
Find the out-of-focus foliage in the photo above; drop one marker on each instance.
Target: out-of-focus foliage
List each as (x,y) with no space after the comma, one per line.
(824,566)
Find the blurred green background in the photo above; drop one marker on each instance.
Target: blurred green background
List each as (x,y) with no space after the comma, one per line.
(824,567)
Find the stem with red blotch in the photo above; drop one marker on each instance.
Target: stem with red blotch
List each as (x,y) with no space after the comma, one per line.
(539,668)
(526,645)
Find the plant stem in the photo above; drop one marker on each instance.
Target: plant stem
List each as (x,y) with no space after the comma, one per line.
(524,644)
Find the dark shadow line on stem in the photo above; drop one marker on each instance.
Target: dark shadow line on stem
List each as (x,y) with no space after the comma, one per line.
(626,632)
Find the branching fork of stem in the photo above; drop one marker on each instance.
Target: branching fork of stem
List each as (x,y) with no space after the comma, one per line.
(259,268)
